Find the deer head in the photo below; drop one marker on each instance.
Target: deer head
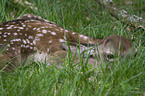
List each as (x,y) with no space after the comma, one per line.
(106,49)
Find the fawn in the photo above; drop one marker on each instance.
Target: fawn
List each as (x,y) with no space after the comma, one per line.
(30,36)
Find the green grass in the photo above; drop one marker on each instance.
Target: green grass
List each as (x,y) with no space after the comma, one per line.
(125,77)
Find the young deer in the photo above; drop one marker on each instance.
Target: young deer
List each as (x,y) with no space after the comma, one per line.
(33,37)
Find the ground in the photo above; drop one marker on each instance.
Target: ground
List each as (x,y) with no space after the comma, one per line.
(124,77)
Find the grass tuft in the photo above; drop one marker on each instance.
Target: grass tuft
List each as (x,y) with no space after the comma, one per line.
(123,77)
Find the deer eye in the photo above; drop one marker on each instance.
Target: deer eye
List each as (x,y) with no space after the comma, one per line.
(110,56)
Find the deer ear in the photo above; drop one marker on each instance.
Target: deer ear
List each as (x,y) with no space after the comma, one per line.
(69,46)
(83,50)
(72,46)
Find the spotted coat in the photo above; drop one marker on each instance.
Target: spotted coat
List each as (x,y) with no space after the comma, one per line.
(30,34)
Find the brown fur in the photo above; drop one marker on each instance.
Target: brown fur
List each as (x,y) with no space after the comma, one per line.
(30,34)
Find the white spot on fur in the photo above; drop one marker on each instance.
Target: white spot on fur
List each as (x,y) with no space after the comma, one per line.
(42,27)
(30,37)
(39,35)
(8,45)
(61,40)
(34,42)
(20,27)
(27,21)
(32,20)
(18,39)
(28,3)
(53,33)
(31,43)
(12,42)
(73,33)
(15,33)
(38,29)
(27,46)
(5,39)
(15,27)
(24,25)
(49,31)
(4,35)
(61,29)
(23,46)
(34,28)
(57,29)
(50,41)
(27,41)
(15,40)
(29,26)
(8,33)
(9,27)
(46,20)
(31,47)
(13,22)
(29,16)
(48,49)
(81,35)
(85,37)
(13,48)
(66,30)
(44,31)
(24,41)
(24,15)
